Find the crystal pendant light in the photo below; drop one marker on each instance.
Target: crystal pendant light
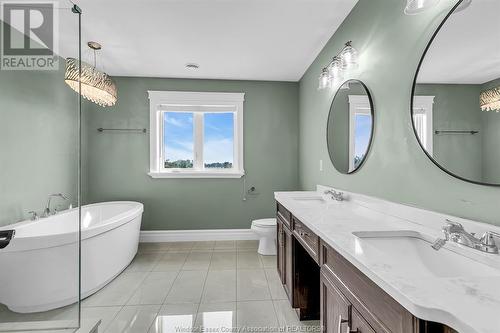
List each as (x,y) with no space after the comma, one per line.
(335,70)
(96,86)
(349,56)
(414,7)
(324,79)
(490,100)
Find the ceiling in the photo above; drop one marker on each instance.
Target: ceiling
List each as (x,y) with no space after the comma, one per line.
(467,49)
(230,39)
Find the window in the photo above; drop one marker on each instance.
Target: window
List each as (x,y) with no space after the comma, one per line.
(196,134)
(360,129)
(422,120)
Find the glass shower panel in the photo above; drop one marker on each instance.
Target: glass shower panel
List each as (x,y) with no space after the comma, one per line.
(39,168)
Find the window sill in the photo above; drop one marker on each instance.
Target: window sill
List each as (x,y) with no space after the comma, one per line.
(196,174)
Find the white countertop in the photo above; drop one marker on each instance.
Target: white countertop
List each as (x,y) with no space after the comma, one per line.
(466,304)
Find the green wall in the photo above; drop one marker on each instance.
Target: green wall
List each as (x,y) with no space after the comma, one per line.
(38,141)
(390,45)
(118,162)
(456,107)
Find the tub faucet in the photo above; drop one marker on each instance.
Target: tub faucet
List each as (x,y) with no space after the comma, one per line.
(47,211)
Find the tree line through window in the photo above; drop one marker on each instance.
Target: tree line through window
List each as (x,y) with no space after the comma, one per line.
(203,138)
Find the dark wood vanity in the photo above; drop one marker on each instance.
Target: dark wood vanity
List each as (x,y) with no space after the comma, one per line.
(321,284)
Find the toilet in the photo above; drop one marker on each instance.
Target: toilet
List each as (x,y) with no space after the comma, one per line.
(266,231)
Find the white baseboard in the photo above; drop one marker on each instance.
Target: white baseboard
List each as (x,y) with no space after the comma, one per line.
(159,236)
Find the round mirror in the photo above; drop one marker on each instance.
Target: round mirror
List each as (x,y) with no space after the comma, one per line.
(350,126)
(456,94)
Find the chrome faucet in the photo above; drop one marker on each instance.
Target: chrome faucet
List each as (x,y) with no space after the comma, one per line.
(34,215)
(339,196)
(456,233)
(47,211)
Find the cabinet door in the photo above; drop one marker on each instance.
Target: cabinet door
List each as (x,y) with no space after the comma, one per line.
(280,251)
(287,262)
(335,308)
(359,324)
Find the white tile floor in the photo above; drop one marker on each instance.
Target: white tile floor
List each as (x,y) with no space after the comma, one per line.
(196,286)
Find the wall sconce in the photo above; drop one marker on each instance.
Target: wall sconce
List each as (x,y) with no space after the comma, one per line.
(346,60)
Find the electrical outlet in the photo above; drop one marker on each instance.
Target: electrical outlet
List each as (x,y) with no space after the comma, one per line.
(320,165)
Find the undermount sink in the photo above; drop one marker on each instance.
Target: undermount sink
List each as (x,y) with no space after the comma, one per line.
(410,252)
(313,200)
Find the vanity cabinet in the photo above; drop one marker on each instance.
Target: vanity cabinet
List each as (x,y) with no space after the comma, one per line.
(285,255)
(370,308)
(280,250)
(306,238)
(335,308)
(322,284)
(358,324)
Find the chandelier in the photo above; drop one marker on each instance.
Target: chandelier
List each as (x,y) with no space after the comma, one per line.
(96,86)
(490,100)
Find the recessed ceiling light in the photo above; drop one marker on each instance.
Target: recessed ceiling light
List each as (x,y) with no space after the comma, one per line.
(192,66)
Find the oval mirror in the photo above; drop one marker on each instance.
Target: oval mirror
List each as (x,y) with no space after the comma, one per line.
(350,126)
(457,91)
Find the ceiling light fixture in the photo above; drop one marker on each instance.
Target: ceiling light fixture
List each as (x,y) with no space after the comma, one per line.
(490,100)
(96,86)
(346,60)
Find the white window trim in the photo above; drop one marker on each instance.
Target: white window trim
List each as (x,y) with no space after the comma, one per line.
(426,103)
(160,101)
(358,104)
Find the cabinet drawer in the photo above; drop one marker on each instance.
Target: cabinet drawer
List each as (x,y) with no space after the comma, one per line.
(380,310)
(307,238)
(284,214)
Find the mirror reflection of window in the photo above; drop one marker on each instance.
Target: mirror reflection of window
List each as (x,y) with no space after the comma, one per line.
(362,133)
(360,128)
(423,121)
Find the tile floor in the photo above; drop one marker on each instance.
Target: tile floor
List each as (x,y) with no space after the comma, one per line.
(220,286)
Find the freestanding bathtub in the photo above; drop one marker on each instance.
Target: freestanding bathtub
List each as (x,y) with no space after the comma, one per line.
(39,268)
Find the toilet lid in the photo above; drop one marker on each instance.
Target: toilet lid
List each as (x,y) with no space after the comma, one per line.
(265,223)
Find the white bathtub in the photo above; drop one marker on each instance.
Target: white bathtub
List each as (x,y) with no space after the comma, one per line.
(39,268)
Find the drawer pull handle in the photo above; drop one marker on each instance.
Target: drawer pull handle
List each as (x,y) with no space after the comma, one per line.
(341,321)
(303,233)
